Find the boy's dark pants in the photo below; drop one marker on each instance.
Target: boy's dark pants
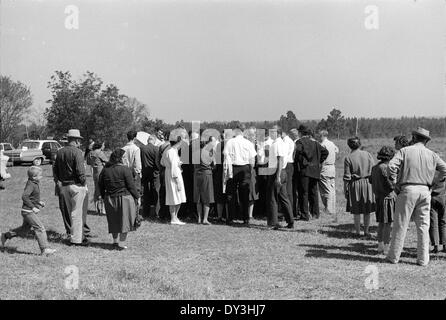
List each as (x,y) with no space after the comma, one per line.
(30,222)
(437,229)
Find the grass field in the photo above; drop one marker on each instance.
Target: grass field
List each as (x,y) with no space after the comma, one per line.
(317,260)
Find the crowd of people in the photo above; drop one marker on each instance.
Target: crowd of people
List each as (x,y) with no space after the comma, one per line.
(242,173)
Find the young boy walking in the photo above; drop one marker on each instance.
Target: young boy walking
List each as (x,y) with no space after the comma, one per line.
(31,206)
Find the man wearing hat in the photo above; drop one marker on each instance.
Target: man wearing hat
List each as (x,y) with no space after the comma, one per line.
(69,175)
(414,167)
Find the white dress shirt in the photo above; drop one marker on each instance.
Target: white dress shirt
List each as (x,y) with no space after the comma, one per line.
(132,157)
(328,166)
(263,151)
(278,149)
(239,151)
(289,145)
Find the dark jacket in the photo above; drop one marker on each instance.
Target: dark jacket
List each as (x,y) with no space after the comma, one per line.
(31,195)
(308,157)
(438,191)
(150,161)
(69,167)
(117,180)
(381,184)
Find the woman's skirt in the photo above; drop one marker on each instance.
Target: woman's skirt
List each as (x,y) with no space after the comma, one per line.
(203,188)
(360,198)
(121,213)
(253,187)
(385,208)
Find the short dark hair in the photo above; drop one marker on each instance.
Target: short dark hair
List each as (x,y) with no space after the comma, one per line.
(131,135)
(402,141)
(97,145)
(305,131)
(354,143)
(417,138)
(386,153)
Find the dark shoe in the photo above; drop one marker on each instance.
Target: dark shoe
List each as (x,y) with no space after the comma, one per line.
(290,226)
(435,250)
(444,248)
(116,246)
(304,219)
(84,243)
(229,222)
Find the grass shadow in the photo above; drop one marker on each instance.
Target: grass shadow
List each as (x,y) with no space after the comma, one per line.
(13,250)
(94,213)
(355,252)
(52,236)
(101,245)
(344,231)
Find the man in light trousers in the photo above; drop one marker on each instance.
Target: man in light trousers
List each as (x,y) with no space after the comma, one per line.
(328,174)
(69,175)
(414,167)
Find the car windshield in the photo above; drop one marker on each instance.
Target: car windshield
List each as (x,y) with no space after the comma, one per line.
(30,145)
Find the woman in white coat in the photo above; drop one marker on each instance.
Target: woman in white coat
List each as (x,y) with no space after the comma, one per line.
(175,194)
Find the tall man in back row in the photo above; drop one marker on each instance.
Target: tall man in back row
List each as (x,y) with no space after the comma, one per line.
(308,158)
(328,174)
(414,167)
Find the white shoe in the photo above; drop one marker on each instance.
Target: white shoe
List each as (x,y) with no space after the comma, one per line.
(48,251)
(381,247)
(3,239)
(177,222)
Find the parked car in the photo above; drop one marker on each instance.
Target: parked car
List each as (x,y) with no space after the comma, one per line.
(36,152)
(4,146)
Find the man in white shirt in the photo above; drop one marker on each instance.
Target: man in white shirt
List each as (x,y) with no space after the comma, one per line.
(328,174)
(132,158)
(289,160)
(277,181)
(240,153)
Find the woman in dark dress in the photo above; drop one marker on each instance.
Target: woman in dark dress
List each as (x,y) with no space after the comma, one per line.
(357,188)
(120,197)
(385,197)
(203,184)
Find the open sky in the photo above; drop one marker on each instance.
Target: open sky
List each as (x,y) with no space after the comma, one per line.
(238,60)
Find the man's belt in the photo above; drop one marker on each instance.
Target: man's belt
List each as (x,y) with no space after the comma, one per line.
(415,184)
(68,183)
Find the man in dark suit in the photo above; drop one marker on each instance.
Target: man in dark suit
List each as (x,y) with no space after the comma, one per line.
(150,161)
(309,155)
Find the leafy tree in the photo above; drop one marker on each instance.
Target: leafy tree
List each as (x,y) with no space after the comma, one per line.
(335,122)
(288,121)
(15,101)
(99,113)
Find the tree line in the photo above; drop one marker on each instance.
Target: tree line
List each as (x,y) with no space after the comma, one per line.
(103,113)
